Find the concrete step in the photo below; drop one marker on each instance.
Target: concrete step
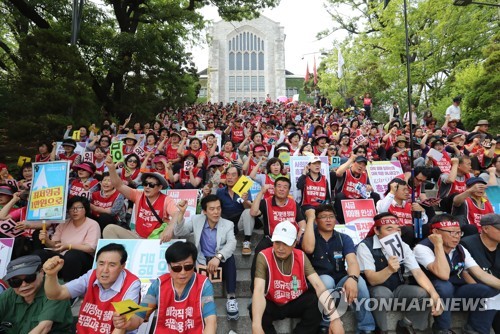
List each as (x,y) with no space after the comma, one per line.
(242,285)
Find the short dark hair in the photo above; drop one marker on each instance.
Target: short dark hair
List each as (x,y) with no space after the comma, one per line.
(208,199)
(443,218)
(133,155)
(179,251)
(425,171)
(238,170)
(324,208)
(85,202)
(114,247)
(272,161)
(283,179)
(383,215)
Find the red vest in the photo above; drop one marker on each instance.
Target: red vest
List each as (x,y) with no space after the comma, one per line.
(474,213)
(251,166)
(39,158)
(270,192)
(77,188)
(72,158)
(314,190)
(282,288)
(133,176)
(350,182)
(237,134)
(171,153)
(184,176)
(95,314)
(458,186)
(145,220)
(180,316)
(403,213)
(345,154)
(103,202)
(277,214)
(391,140)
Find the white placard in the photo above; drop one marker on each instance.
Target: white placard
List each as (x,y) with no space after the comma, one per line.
(393,246)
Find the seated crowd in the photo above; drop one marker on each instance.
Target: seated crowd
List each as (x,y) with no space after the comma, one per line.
(301,263)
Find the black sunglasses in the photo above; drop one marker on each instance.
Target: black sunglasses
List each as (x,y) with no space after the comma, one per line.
(149,184)
(17,282)
(132,160)
(178,269)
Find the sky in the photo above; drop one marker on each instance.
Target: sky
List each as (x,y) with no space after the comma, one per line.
(302,21)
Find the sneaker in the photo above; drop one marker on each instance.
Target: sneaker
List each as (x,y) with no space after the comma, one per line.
(404,326)
(246,248)
(232,309)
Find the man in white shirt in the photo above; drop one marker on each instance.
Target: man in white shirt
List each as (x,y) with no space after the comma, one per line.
(449,266)
(455,112)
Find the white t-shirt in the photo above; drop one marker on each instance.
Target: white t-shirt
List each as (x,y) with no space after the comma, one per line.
(425,256)
(453,111)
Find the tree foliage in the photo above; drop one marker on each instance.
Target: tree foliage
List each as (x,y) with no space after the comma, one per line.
(131,57)
(445,41)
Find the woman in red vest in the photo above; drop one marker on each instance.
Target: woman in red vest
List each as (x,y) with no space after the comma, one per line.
(84,184)
(107,205)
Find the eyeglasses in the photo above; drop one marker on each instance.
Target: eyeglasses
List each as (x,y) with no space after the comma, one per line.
(77,208)
(361,152)
(331,149)
(210,122)
(420,180)
(17,282)
(453,233)
(332,217)
(178,269)
(132,160)
(149,184)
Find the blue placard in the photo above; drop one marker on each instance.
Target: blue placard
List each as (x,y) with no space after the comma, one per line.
(49,191)
(335,163)
(493,193)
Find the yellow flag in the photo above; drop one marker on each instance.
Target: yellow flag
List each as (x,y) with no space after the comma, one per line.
(22,160)
(128,308)
(243,185)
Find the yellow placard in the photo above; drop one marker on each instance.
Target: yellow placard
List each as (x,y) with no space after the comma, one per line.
(243,185)
(22,160)
(128,308)
(76,135)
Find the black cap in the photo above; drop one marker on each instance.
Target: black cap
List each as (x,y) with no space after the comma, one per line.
(25,265)
(361,158)
(491,219)
(473,180)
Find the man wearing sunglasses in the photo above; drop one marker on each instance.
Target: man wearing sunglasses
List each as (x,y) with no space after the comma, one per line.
(183,298)
(455,274)
(146,221)
(24,307)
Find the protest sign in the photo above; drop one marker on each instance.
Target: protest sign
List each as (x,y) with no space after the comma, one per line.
(434,154)
(8,228)
(49,191)
(140,152)
(128,308)
(393,246)
(88,156)
(254,190)
(190,195)
(493,194)
(358,210)
(362,228)
(350,230)
(13,183)
(243,185)
(76,135)
(22,160)
(214,278)
(297,165)
(381,172)
(358,140)
(117,151)
(335,163)
(6,246)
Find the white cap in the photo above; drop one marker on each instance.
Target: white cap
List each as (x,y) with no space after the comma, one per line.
(285,232)
(314,159)
(184,129)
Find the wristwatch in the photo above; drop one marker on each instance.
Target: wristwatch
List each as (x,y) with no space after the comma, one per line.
(219,256)
(354,277)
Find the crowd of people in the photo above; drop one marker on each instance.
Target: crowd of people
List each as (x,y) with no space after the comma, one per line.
(210,147)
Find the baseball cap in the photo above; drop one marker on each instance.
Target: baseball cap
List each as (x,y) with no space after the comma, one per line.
(361,159)
(491,219)
(285,232)
(25,265)
(314,159)
(473,180)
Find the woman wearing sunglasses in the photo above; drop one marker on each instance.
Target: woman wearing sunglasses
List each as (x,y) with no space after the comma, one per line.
(75,240)
(131,175)
(175,292)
